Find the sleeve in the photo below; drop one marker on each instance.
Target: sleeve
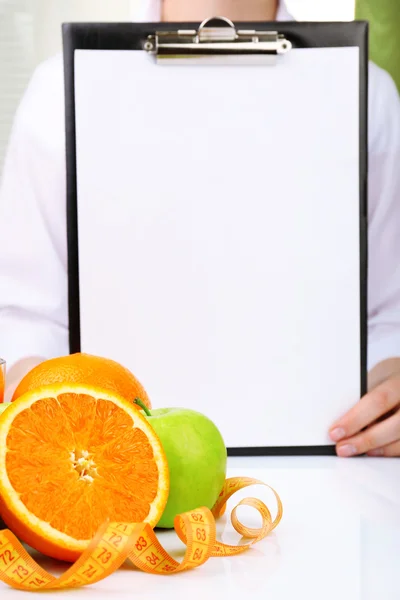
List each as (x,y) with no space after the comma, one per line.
(384,219)
(33,255)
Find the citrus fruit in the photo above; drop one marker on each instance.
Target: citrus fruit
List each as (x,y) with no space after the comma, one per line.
(72,456)
(87,369)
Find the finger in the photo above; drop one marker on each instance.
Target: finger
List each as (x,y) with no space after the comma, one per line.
(371,407)
(389,450)
(373,438)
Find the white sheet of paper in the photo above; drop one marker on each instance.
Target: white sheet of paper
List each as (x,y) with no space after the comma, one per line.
(218,214)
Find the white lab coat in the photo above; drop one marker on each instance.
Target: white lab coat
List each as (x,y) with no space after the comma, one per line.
(33,247)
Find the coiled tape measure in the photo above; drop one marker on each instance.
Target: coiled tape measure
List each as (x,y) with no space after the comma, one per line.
(114,543)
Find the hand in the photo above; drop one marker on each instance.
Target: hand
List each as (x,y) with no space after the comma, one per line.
(372,426)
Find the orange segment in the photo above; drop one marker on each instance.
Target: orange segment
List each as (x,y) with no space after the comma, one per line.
(72,456)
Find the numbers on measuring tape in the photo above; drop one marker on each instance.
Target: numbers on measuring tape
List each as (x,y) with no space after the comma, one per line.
(104,556)
(115,539)
(36,582)
(152,559)
(198,553)
(140,544)
(90,571)
(198,517)
(168,568)
(21,572)
(201,534)
(7,557)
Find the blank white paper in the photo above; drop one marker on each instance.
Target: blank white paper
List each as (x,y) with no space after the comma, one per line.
(218,213)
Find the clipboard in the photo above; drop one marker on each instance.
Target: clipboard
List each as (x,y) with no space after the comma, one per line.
(217,218)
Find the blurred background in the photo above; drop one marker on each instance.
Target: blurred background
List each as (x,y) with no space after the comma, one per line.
(30,32)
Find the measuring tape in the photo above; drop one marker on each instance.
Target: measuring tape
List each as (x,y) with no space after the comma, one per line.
(116,542)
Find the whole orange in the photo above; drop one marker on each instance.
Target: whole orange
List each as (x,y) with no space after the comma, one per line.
(84,369)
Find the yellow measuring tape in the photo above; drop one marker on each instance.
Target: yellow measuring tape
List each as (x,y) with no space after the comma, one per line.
(116,542)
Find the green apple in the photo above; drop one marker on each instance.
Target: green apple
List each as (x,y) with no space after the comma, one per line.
(196,456)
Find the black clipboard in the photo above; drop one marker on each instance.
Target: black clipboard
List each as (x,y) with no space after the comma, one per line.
(133,36)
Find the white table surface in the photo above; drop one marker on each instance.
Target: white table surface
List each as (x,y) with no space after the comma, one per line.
(339,539)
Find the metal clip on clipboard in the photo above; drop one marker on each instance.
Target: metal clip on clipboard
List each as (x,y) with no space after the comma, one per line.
(217,41)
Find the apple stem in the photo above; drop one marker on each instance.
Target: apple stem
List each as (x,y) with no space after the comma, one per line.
(142,406)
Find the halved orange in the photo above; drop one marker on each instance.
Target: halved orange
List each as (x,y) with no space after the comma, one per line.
(72,456)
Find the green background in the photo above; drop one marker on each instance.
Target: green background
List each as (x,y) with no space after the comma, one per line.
(384,18)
